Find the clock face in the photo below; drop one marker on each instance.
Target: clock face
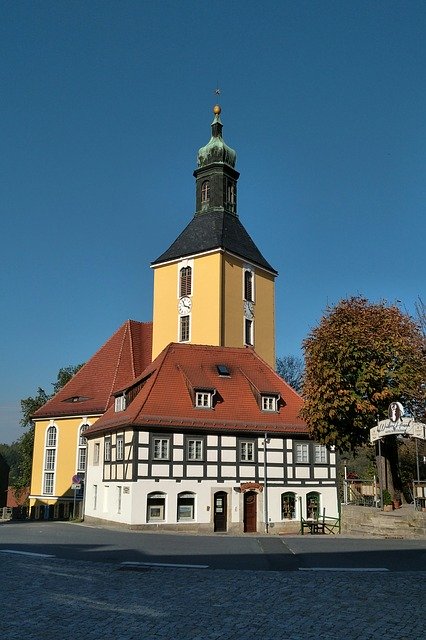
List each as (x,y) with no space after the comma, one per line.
(184,306)
(248,310)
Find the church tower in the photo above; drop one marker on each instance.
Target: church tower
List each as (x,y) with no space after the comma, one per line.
(212,285)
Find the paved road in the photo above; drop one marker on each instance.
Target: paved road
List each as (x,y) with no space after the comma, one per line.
(293,553)
(97,583)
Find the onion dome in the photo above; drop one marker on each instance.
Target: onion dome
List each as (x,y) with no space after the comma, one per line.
(216,150)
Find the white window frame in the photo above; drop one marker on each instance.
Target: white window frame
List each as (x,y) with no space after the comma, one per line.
(119,448)
(156,512)
(248,332)
(203,399)
(96,453)
(107,450)
(161,451)
(48,483)
(320,454)
(246,450)
(188,508)
(250,270)
(302,453)
(195,449)
(50,460)
(183,330)
(120,403)
(269,403)
(82,459)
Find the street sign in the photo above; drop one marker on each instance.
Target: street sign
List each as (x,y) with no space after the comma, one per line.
(76,486)
(76,479)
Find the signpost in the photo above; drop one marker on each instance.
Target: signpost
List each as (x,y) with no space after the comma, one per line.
(76,486)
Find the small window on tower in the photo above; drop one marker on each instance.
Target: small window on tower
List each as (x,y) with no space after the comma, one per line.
(184,329)
(205,191)
(248,285)
(185,281)
(231,194)
(248,332)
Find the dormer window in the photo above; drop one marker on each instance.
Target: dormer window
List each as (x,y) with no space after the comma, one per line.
(269,403)
(204,399)
(120,403)
(205,191)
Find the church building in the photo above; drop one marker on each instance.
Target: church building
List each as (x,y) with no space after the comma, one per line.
(208,437)
(182,423)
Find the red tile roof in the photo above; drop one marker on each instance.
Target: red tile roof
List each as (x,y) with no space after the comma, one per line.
(121,359)
(167,389)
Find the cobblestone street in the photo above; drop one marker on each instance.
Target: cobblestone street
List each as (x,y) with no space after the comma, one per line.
(49,598)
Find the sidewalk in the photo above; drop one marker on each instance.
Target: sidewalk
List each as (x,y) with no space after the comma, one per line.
(48,599)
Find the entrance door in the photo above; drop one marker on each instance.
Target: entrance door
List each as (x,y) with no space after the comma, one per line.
(250,512)
(220,523)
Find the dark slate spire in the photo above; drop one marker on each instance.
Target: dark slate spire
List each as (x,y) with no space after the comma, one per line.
(215,224)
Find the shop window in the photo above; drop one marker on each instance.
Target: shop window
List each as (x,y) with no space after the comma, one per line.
(185,507)
(288,506)
(156,507)
(312,505)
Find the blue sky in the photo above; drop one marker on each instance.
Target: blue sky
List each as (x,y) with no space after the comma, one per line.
(103,108)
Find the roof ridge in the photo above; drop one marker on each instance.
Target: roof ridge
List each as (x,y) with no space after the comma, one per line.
(117,364)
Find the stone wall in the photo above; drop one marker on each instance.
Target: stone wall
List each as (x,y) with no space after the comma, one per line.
(401,523)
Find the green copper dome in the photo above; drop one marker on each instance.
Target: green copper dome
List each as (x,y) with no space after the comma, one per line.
(216,150)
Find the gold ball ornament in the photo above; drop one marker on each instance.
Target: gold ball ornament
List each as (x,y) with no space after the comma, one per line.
(216,109)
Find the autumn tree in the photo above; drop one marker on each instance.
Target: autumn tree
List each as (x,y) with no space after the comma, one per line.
(290,368)
(361,357)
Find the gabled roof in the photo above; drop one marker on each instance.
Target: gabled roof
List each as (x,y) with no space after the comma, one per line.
(122,358)
(165,397)
(215,230)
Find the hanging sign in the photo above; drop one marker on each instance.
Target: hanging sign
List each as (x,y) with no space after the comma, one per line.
(396,424)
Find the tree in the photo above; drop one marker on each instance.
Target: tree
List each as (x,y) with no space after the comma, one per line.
(290,368)
(361,357)
(20,475)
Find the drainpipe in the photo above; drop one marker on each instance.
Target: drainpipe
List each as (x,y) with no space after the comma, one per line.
(265,483)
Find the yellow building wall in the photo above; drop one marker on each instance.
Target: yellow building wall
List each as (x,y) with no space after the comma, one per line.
(66,457)
(264,308)
(217,313)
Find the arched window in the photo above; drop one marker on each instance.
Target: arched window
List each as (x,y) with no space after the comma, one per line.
(49,460)
(231,194)
(156,506)
(248,285)
(185,506)
(185,282)
(313,505)
(288,506)
(82,448)
(205,191)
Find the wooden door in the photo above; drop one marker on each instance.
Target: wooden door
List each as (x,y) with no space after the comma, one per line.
(220,506)
(250,512)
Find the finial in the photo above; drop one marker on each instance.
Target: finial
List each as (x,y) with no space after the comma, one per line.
(217,110)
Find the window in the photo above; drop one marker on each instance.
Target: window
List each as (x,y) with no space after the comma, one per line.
(248,331)
(120,448)
(48,483)
(51,437)
(49,463)
(223,370)
(161,448)
(320,454)
(184,329)
(205,191)
(156,506)
(288,506)
(302,453)
(119,493)
(95,496)
(231,193)
(269,403)
(194,449)
(185,506)
(248,285)
(120,403)
(96,453)
(82,445)
(312,505)
(107,451)
(81,461)
(185,282)
(203,399)
(246,451)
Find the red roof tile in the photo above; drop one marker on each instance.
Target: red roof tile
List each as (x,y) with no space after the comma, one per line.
(166,396)
(121,359)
